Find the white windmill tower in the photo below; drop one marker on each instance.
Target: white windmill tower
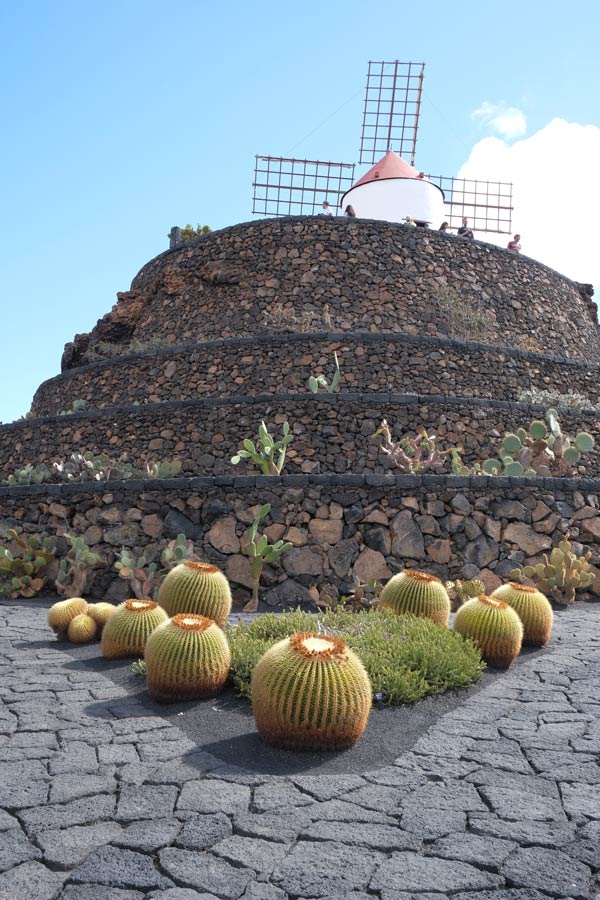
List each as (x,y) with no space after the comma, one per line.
(393,188)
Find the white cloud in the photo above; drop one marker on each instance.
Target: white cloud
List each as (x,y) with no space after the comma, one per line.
(556,194)
(507,121)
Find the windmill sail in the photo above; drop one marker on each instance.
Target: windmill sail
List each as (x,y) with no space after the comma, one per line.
(287,186)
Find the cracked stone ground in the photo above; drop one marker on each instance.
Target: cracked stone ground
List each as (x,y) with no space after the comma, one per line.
(498,800)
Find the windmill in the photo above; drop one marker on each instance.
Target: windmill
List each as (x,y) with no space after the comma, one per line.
(392,188)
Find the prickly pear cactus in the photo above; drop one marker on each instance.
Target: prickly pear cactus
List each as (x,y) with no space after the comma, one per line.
(417,594)
(126,632)
(82,629)
(561,574)
(533,609)
(541,450)
(494,627)
(187,658)
(310,692)
(196,587)
(62,612)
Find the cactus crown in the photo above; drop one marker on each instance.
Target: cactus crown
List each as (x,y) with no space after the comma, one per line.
(140,605)
(421,576)
(318,646)
(201,567)
(492,601)
(523,588)
(191,622)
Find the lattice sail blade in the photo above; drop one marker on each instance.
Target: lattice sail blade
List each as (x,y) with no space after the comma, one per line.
(486,204)
(392,108)
(287,187)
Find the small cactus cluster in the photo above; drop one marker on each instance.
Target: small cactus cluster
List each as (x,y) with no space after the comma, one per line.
(494,627)
(187,658)
(77,621)
(541,450)
(417,594)
(461,591)
(310,692)
(561,574)
(126,632)
(196,587)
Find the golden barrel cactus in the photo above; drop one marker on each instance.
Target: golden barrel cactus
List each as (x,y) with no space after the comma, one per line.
(494,627)
(310,692)
(199,588)
(126,632)
(533,609)
(187,658)
(82,629)
(101,613)
(417,594)
(62,612)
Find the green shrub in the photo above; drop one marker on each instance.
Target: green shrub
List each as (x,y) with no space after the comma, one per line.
(406,658)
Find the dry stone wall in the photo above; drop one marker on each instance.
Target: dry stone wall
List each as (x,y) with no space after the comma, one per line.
(282,363)
(332,274)
(332,431)
(340,526)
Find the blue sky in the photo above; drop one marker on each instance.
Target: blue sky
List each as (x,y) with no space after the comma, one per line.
(124,118)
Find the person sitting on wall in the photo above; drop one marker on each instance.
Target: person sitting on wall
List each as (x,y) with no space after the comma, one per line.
(464,230)
(327,210)
(515,244)
(444,227)
(409,221)
(349,212)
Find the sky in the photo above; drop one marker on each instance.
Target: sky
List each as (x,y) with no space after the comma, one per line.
(125,117)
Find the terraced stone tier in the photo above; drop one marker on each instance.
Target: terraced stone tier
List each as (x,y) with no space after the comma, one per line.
(332,431)
(328,274)
(276,363)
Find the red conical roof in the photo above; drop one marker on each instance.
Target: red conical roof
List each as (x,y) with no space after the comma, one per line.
(389,166)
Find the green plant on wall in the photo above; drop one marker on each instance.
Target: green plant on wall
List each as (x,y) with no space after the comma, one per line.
(541,450)
(29,475)
(319,381)
(267,453)
(188,231)
(23,567)
(75,567)
(144,577)
(260,552)
(415,454)
(561,574)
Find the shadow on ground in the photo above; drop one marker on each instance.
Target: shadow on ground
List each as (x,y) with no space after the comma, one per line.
(224,726)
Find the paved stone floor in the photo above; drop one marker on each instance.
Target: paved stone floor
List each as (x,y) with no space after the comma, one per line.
(499,800)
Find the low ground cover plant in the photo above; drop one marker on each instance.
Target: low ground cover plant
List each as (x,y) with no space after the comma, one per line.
(406,658)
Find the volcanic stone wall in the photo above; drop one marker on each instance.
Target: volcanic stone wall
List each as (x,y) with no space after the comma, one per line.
(331,274)
(332,432)
(340,526)
(279,363)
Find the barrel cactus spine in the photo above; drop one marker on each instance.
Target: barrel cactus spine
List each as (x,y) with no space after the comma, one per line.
(310,692)
(533,609)
(418,594)
(61,613)
(494,627)
(187,658)
(199,588)
(82,629)
(126,632)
